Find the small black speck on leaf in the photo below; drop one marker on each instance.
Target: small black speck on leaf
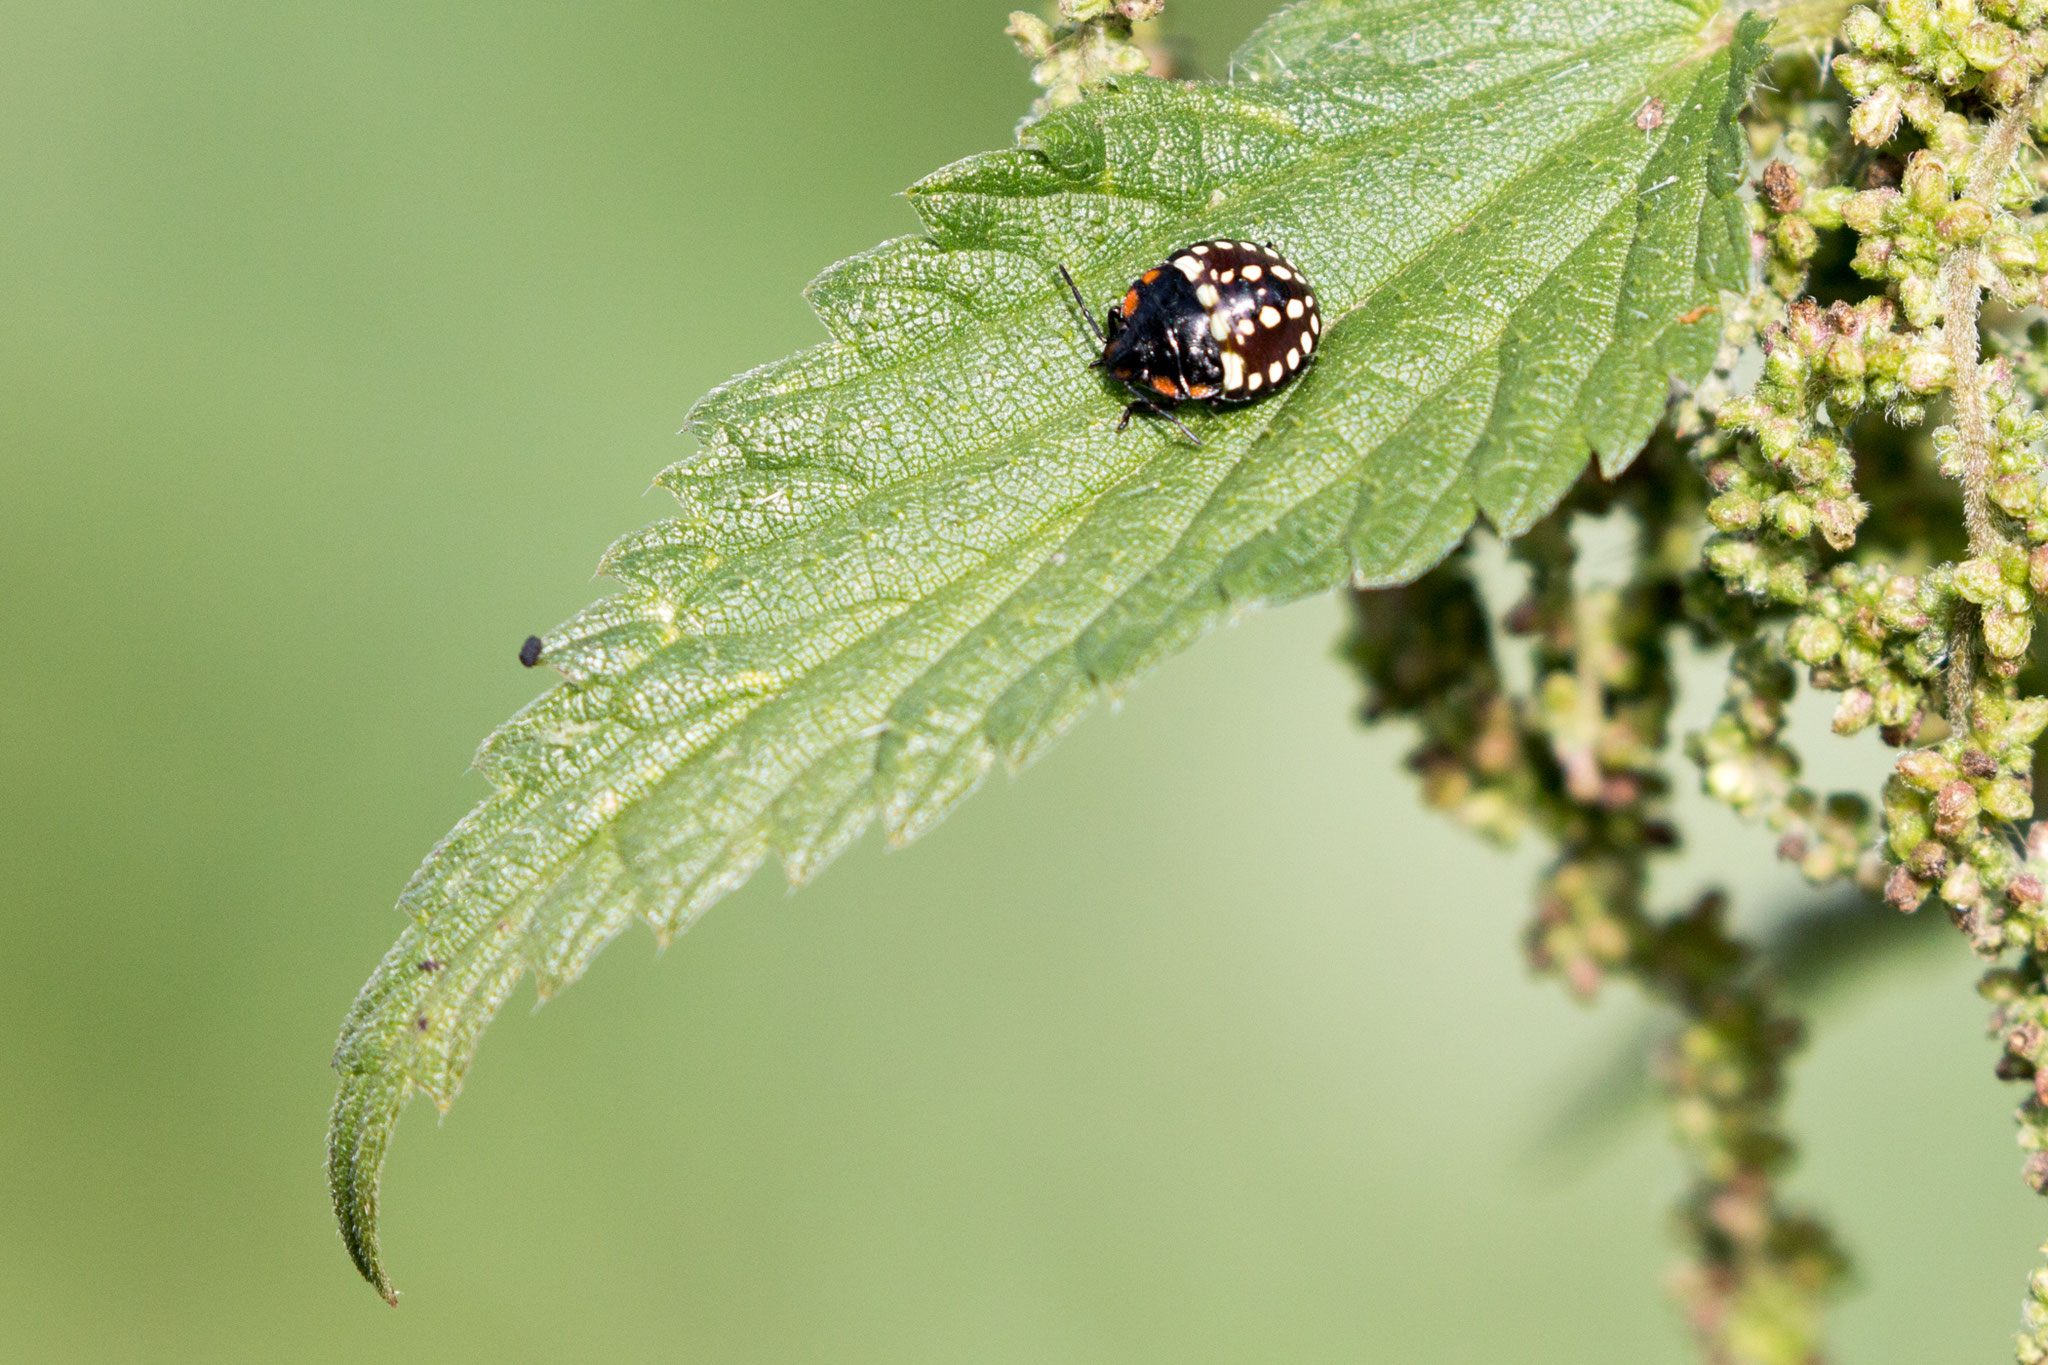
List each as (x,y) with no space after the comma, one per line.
(420,1023)
(529,653)
(428,964)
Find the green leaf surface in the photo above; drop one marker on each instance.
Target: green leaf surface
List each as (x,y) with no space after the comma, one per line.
(921,550)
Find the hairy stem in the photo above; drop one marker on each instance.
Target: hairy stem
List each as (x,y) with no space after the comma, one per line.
(1961,295)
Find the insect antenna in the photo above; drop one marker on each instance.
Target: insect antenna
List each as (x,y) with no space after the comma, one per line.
(1082,304)
(1142,403)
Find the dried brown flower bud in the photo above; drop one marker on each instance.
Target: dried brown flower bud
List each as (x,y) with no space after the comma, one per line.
(1782,188)
(1904,891)
(1955,807)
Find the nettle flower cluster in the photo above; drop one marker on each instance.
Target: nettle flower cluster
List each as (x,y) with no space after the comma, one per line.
(1786,508)
(2019,1019)
(1786,504)
(1910,58)
(1949,809)
(1928,652)
(1574,755)
(1831,552)
(1907,233)
(1745,764)
(1092,44)
(1943,812)
(1796,477)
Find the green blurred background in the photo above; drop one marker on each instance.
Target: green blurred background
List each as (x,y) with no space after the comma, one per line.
(337,342)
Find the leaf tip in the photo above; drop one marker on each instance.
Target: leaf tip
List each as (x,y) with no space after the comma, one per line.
(358,1228)
(365,1112)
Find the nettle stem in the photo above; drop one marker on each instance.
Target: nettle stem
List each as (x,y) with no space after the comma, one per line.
(1962,293)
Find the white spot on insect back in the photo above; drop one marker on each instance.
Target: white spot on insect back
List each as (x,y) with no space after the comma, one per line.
(1256,380)
(1275,370)
(1253,272)
(1293,358)
(1308,342)
(1188,266)
(1219,325)
(1201,250)
(1294,308)
(1226,277)
(1233,370)
(1281,272)
(1244,327)
(1315,323)
(1269,316)
(1206,295)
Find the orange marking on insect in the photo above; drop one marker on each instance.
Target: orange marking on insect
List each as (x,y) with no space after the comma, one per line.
(1148,277)
(1201,390)
(1163,384)
(1130,303)
(1692,315)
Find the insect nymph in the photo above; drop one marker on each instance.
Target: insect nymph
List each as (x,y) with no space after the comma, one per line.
(1216,322)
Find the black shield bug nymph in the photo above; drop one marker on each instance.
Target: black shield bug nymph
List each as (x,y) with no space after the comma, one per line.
(1217,322)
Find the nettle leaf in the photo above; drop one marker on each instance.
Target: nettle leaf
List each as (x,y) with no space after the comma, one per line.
(920,550)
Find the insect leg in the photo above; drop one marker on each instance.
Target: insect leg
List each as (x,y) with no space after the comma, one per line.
(1152,409)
